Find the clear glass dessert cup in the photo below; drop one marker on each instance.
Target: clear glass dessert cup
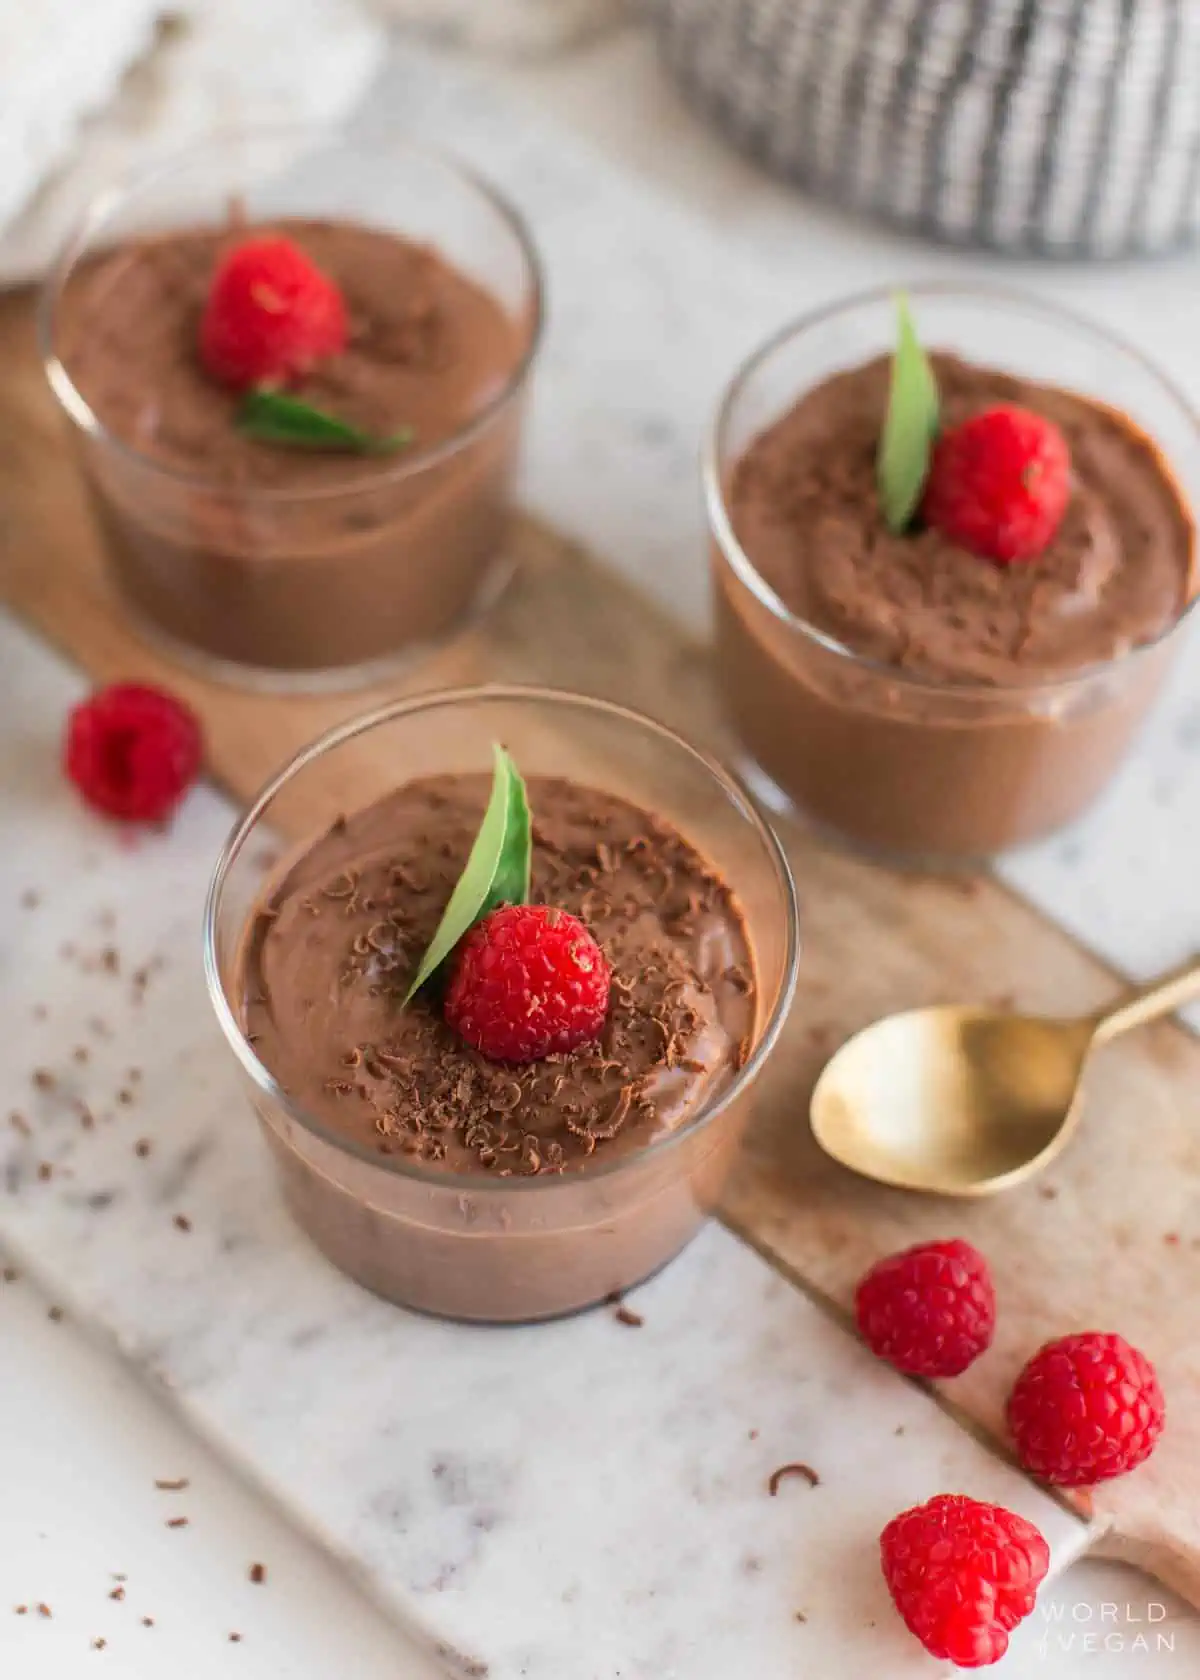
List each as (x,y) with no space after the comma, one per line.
(337,584)
(910,769)
(469,1245)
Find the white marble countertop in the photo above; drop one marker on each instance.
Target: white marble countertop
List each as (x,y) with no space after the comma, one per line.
(630,373)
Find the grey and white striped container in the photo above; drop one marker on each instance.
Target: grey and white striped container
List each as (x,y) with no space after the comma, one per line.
(1058,127)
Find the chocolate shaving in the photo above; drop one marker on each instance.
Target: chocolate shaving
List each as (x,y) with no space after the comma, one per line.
(781,1475)
(506,1098)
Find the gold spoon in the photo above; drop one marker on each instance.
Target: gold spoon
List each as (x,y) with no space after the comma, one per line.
(965,1102)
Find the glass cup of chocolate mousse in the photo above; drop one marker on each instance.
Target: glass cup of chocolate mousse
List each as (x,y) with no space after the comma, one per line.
(925,699)
(296,364)
(549,1119)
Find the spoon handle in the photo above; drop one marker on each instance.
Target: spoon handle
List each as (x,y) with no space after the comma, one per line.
(1160,997)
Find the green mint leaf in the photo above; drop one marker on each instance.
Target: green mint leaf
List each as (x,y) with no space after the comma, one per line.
(910,428)
(272,417)
(496,872)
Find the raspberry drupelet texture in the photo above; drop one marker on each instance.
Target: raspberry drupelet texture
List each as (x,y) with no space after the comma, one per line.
(529,980)
(133,751)
(929,1310)
(962,1575)
(999,484)
(271,316)
(1084,1409)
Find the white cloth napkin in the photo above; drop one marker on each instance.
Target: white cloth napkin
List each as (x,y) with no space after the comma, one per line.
(225,63)
(59,62)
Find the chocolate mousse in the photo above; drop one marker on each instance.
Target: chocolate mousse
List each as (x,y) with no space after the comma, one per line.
(298,559)
(557,1187)
(930,701)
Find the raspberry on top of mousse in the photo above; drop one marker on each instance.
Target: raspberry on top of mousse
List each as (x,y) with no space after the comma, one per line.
(529,981)
(999,483)
(271,315)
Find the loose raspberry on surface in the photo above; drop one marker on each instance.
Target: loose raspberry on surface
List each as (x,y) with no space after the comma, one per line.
(999,484)
(962,1575)
(133,751)
(271,316)
(930,1310)
(1084,1409)
(529,980)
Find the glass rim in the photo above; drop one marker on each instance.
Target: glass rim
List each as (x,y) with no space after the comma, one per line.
(1010,297)
(725,782)
(124,189)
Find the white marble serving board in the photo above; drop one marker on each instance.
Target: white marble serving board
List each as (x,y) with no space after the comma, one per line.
(579,1501)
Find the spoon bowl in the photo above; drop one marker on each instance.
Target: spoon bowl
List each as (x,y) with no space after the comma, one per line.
(967,1101)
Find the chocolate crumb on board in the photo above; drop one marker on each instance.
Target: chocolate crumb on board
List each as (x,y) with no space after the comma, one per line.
(45,1171)
(99,1642)
(20,1609)
(781,1475)
(43,1079)
(10,1274)
(147,1621)
(258,1573)
(177,1522)
(118,1594)
(142,1148)
(19,1123)
(800,1616)
(626,1315)
(181,1222)
(176,1486)
(30,899)
(235,1639)
(45,1611)
(55,1315)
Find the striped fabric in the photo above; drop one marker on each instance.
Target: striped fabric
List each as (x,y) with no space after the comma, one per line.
(1062,127)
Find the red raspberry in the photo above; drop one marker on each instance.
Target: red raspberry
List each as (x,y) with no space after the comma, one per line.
(1085,1408)
(133,751)
(529,980)
(962,1575)
(929,1310)
(271,314)
(999,484)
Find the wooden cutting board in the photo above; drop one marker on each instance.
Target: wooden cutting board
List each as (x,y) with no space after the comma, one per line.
(1110,1239)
